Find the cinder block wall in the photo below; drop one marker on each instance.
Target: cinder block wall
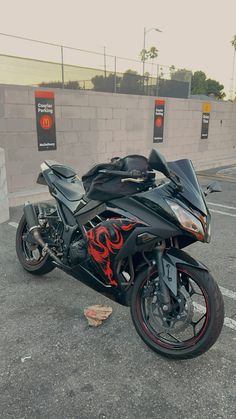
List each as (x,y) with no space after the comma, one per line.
(92,127)
(4,212)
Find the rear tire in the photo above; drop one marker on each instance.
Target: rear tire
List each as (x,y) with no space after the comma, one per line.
(213,322)
(36,267)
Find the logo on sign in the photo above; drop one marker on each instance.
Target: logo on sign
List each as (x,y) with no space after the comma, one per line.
(46,121)
(158,121)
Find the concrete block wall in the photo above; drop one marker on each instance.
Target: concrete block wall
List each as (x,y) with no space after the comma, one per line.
(92,127)
(4,210)
(183,128)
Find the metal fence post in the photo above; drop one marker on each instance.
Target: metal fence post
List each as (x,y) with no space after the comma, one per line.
(115,74)
(105,62)
(62,68)
(189,86)
(157,83)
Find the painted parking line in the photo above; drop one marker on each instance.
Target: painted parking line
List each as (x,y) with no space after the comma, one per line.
(13,224)
(221,205)
(223,213)
(228,293)
(218,211)
(231,323)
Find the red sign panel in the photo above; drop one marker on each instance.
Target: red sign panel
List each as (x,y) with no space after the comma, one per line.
(45,118)
(159,121)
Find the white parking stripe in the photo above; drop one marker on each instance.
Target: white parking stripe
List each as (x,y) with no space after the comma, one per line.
(227,321)
(230,323)
(13,224)
(223,213)
(228,293)
(220,205)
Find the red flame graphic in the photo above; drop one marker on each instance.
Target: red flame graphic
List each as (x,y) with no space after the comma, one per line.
(102,244)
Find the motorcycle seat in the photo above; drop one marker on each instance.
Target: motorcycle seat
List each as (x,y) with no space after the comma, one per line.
(72,191)
(60,169)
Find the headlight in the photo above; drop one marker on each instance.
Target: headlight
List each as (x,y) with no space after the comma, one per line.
(187,220)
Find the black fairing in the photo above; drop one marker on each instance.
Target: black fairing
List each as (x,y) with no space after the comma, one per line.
(41,180)
(72,191)
(114,230)
(61,169)
(191,188)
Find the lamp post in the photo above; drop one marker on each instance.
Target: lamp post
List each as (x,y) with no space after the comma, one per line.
(231,93)
(144,43)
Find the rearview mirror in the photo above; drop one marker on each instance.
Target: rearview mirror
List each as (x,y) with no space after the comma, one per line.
(213,187)
(158,162)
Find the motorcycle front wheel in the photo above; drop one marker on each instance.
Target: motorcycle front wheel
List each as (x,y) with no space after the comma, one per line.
(196,318)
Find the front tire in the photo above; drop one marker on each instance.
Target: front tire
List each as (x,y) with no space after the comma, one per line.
(40,265)
(164,340)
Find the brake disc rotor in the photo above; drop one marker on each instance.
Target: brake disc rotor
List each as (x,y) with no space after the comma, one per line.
(179,319)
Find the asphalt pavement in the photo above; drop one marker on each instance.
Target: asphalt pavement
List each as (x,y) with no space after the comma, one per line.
(52,365)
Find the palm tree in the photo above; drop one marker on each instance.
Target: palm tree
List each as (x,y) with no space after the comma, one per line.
(152,54)
(145,54)
(233,43)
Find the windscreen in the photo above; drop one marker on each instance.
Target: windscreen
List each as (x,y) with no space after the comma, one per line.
(191,188)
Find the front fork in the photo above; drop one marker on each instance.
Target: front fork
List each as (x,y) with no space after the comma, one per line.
(167,261)
(163,293)
(167,273)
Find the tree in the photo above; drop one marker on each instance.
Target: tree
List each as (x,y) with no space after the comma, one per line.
(105,84)
(151,54)
(131,83)
(181,74)
(215,88)
(71,84)
(198,83)
(172,69)
(143,55)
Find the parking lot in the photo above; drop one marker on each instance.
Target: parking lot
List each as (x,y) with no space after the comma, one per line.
(52,365)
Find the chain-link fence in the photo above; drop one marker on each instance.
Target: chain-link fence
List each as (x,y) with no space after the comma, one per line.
(50,65)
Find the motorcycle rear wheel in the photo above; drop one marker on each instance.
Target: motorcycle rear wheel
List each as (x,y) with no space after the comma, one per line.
(161,335)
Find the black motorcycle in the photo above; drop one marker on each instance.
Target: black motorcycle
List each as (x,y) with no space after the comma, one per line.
(121,234)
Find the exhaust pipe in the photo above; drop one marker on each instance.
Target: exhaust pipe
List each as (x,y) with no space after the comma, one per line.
(31,216)
(34,230)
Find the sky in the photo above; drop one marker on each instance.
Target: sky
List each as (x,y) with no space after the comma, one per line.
(196,34)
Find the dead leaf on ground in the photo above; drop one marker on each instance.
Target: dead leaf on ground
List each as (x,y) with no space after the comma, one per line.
(97,314)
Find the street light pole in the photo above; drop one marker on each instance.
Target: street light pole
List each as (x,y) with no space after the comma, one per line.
(144,43)
(231,92)
(144,48)
(62,69)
